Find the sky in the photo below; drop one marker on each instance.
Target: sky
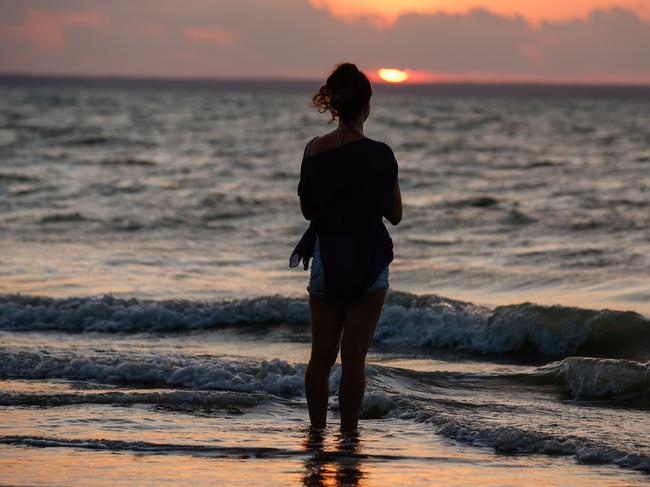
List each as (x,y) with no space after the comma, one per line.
(591,41)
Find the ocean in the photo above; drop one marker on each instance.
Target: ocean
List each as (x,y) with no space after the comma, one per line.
(151,330)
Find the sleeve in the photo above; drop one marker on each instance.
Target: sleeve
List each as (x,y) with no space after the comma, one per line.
(302,183)
(392,169)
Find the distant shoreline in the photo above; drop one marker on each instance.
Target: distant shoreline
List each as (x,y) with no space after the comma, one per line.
(447,88)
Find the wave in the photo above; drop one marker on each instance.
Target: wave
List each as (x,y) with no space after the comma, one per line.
(406,319)
(73,216)
(11,178)
(508,439)
(156,370)
(237,452)
(110,314)
(181,399)
(127,161)
(614,382)
(553,331)
(587,377)
(147,447)
(88,140)
(375,405)
(232,384)
(481,201)
(503,440)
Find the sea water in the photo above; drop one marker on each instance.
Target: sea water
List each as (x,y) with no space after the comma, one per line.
(151,330)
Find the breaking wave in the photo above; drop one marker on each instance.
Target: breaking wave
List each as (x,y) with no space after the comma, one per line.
(407,320)
(156,370)
(517,440)
(205,382)
(508,439)
(587,377)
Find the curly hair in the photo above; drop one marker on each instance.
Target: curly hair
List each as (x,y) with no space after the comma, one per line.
(344,94)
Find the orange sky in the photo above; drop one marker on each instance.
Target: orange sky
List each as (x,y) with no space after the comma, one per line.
(510,40)
(535,11)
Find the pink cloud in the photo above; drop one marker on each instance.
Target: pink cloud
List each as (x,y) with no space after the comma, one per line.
(153,31)
(46,30)
(284,38)
(533,54)
(211,35)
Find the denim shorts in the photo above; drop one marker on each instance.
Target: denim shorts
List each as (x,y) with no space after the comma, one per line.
(316,287)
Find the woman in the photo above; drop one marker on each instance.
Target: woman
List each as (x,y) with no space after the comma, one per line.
(348,182)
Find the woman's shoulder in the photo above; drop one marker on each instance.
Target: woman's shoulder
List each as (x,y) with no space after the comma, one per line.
(385,151)
(382,146)
(322,146)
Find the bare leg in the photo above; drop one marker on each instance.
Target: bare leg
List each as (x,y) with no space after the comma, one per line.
(326,326)
(359,325)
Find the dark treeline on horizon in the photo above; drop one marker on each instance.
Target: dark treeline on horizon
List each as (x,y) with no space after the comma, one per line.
(487,89)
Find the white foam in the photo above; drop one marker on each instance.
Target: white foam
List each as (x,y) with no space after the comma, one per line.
(160,370)
(550,330)
(376,405)
(516,440)
(406,319)
(110,314)
(512,439)
(596,377)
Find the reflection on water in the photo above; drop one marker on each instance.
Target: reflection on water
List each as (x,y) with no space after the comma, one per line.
(93,445)
(342,466)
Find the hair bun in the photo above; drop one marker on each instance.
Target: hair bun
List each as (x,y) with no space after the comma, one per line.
(345,92)
(345,67)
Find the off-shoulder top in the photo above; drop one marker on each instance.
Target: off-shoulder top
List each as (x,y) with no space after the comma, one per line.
(347,190)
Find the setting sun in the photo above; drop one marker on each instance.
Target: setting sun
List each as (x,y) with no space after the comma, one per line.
(393,75)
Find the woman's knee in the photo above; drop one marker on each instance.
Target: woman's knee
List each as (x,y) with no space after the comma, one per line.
(354,348)
(353,359)
(323,360)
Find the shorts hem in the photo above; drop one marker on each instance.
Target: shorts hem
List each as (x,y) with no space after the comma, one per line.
(322,295)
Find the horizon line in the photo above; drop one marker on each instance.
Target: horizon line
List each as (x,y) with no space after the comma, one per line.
(278,79)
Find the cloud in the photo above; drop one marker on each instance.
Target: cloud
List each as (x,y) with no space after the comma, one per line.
(47,30)
(387,11)
(211,35)
(292,38)
(609,42)
(459,43)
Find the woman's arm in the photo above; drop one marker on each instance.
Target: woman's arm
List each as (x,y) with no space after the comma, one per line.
(305,210)
(302,184)
(394,210)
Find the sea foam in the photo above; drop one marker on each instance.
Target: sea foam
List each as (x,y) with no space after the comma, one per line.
(589,377)
(155,370)
(406,319)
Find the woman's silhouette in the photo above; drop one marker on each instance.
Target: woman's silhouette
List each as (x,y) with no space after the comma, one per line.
(348,182)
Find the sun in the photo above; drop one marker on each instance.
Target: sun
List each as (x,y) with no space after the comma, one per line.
(392,75)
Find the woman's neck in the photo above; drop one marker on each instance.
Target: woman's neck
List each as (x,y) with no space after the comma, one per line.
(356,126)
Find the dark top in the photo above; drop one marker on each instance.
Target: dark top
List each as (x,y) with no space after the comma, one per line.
(347,190)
